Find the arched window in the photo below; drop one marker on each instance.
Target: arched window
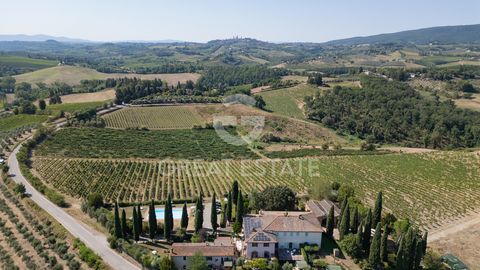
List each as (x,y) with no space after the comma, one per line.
(266,254)
(254,254)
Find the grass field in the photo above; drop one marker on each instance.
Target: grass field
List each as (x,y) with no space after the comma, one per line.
(72,75)
(105,95)
(106,143)
(428,188)
(16,121)
(288,101)
(164,117)
(72,107)
(281,126)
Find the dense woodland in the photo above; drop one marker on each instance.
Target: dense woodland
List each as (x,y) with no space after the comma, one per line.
(222,77)
(393,112)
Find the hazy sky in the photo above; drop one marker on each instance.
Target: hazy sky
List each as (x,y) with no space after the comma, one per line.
(203,20)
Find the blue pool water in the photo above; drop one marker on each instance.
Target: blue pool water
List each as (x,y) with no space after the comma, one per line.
(160,213)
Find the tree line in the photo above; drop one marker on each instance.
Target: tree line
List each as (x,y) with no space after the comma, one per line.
(367,239)
(393,112)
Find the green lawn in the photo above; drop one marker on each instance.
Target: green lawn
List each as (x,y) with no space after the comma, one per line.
(287,101)
(16,121)
(105,143)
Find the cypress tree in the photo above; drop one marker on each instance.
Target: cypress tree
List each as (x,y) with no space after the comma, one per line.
(124,224)
(140,220)
(377,211)
(367,231)
(239,213)
(235,192)
(357,250)
(228,214)
(136,236)
(425,241)
(184,222)
(168,218)
(199,214)
(418,253)
(409,248)
(117,226)
(223,217)
(344,227)
(342,209)
(374,257)
(330,222)
(400,263)
(384,242)
(213,214)
(152,220)
(355,221)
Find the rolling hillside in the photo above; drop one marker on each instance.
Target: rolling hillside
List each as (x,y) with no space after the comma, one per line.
(441,34)
(72,75)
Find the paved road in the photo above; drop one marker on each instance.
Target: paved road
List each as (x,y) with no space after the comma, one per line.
(93,239)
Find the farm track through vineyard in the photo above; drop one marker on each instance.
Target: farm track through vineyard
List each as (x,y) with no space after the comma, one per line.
(428,188)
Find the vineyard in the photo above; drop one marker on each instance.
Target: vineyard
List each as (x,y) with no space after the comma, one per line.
(164,117)
(131,181)
(107,143)
(428,188)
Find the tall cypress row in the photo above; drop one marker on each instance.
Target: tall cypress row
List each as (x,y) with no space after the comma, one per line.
(223,217)
(184,222)
(199,214)
(344,227)
(374,257)
(342,209)
(213,214)
(240,210)
(124,224)
(140,220)
(377,211)
(235,192)
(400,261)
(116,219)
(136,236)
(384,242)
(168,218)
(367,231)
(152,220)
(228,214)
(331,222)
(355,221)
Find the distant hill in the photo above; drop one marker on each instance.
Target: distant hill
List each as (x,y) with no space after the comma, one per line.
(440,34)
(41,38)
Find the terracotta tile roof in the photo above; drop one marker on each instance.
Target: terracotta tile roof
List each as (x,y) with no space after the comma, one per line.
(293,224)
(272,222)
(321,208)
(207,249)
(262,237)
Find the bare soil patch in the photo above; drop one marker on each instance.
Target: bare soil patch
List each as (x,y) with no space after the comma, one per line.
(459,238)
(105,95)
(259,89)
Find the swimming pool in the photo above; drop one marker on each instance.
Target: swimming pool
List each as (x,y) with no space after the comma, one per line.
(160,213)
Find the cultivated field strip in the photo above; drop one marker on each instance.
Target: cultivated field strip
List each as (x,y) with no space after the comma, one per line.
(428,188)
(160,117)
(142,180)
